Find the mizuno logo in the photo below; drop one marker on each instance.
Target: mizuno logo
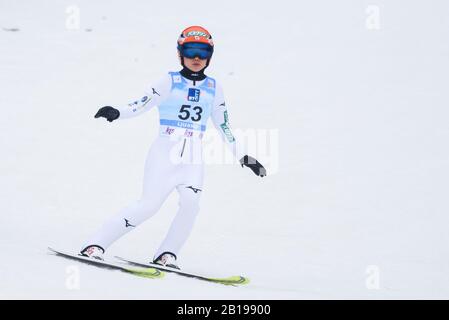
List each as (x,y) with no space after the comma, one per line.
(128,224)
(194,189)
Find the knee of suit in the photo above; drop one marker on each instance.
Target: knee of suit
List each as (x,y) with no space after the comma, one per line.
(147,206)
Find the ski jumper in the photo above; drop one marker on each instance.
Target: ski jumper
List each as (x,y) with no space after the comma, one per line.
(174,160)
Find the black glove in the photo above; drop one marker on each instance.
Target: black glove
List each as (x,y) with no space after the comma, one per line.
(254,165)
(109,113)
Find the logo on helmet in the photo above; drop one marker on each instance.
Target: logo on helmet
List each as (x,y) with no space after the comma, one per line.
(196,33)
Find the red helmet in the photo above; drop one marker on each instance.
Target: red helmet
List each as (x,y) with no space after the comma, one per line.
(195,34)
(194,42)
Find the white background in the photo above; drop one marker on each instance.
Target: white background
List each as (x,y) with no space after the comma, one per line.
(361,188)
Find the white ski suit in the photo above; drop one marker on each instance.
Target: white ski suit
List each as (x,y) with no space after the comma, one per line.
(174,159)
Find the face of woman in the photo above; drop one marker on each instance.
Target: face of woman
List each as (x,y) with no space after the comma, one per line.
(195,64)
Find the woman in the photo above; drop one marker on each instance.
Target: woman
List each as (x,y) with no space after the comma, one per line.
(185,99)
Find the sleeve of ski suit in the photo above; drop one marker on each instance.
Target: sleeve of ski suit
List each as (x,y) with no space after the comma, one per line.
(220,119)
(153,95)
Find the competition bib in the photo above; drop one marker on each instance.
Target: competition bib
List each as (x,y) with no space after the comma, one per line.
(187,108)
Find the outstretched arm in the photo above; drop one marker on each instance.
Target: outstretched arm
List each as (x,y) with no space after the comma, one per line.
(153,96)
(220,119)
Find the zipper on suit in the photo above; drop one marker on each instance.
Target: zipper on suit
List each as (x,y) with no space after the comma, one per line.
(183,146)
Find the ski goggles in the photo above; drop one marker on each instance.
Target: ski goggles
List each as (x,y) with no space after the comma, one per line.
(194,49)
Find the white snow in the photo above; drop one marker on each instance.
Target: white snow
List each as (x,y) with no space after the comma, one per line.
(357,208)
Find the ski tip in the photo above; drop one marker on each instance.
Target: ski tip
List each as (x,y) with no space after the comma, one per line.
(52,250)
(234,280)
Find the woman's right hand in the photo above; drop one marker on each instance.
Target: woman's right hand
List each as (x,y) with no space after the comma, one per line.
(109,113)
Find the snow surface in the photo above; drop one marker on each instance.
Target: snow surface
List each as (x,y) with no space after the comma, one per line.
(357,208)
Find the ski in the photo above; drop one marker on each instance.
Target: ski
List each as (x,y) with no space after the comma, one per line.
(145,272)
(233,280)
